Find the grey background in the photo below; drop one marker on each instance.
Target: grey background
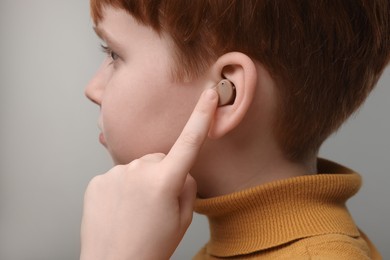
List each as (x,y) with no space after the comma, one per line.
(48,136)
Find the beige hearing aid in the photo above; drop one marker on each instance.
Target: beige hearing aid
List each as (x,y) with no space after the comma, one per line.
(226,91)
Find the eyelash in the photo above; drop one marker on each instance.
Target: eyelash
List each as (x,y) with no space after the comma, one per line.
(110,53)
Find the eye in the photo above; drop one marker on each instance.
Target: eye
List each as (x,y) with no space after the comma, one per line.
(114,56)
(109,52)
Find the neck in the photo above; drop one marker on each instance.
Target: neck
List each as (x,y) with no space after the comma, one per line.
(222,172)
(314,204)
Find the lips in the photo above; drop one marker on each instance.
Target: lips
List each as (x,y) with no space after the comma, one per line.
(102,139)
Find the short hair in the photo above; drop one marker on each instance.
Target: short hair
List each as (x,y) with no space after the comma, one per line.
(324,55)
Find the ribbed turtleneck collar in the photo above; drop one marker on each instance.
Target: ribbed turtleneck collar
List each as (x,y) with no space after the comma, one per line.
(276,213)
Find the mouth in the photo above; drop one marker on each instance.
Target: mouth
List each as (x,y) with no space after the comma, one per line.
(102,139)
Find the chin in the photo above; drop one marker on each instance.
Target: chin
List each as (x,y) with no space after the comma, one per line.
(116,158)
(118,161)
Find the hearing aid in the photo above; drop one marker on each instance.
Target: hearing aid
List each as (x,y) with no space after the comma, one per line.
(226,92)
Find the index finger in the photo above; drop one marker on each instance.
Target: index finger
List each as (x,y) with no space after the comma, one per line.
(183,153)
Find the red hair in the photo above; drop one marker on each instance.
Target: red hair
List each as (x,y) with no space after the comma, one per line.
(325,56)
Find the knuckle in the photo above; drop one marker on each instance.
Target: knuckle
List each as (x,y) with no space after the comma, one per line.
(94,185)
(118,167)
(162,184)
(154,157)
(159,155)
(95,181)
(114,172)
(191,139)
(135,164)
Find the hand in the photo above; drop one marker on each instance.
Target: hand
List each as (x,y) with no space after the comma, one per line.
(142,210)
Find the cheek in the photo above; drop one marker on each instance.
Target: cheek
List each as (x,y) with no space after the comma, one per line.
(145,119)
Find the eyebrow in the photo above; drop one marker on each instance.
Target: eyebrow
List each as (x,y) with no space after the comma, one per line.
(104,36)
(99,32)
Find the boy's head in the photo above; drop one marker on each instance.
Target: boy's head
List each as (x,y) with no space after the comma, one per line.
(324,56)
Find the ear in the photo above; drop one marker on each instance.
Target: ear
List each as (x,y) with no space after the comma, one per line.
(241,71)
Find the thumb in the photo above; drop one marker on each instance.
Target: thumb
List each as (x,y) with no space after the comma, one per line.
(187,201)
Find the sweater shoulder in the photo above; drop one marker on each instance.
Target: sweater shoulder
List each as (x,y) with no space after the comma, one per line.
(337,246)
(321,247)
(327,246)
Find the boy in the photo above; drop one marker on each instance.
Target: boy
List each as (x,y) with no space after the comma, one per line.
(299,70)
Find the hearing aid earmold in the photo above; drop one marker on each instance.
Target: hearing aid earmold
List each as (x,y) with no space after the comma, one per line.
(226,91)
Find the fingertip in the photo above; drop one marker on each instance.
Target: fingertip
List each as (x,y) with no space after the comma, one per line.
(211,94)
(207,102)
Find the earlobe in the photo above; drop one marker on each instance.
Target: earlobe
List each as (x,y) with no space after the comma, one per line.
(241,71)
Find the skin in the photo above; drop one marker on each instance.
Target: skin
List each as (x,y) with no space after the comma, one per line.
(117,225)
(142,109)
(144,114)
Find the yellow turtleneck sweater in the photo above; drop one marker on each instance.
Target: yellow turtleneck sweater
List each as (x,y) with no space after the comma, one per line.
(298,218)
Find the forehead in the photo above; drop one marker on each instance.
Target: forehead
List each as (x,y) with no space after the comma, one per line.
(117,23)
(134,40)
(97,7)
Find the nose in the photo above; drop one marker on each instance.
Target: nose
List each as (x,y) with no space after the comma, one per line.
(95,88)
(94,91)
